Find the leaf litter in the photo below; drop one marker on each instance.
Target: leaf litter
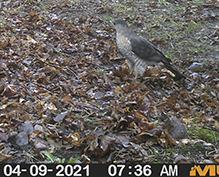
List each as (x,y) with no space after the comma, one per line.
(65,91)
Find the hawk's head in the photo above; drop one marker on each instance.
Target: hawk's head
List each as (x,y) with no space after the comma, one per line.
(120,22)
(121,26)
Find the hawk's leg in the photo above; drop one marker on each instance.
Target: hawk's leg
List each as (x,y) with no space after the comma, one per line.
(139,67)
(131,66)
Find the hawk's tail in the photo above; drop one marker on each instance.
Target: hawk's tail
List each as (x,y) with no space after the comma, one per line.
(176,72)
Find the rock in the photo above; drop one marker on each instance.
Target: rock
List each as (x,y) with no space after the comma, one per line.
(176,129)
(22,139)
(26,127)
(195,66)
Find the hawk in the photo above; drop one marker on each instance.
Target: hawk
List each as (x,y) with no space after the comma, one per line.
(139,52)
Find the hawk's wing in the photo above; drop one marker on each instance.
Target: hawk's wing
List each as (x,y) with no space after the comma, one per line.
(146,50)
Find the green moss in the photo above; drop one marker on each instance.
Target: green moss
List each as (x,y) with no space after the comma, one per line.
(171,150)
(194,150)
(203,134)
(163,156)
